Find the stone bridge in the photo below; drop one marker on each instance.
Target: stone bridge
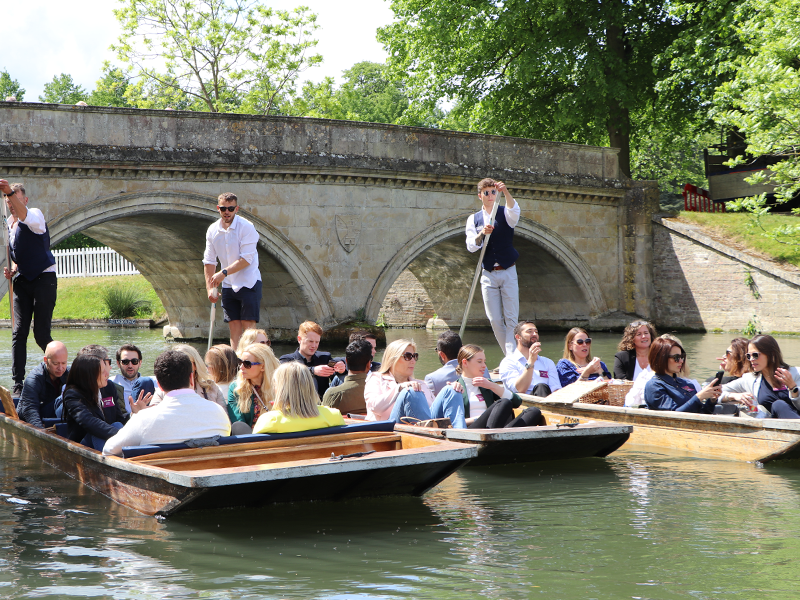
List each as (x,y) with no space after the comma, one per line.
(342,210)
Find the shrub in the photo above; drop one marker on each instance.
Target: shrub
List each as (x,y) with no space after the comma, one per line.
(125,302)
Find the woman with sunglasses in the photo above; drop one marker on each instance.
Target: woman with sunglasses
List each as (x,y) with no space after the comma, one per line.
(667,391)
(735,361)
(577,363)
(634,349)
(252,336)
(393,393)
(251,393)
(296,406)
(223,365)
(772,383)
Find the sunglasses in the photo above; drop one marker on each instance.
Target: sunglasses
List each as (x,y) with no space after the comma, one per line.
(492,192)
(752,356)
(728,352)
(409,356)
(107,361)
(246,364)
(228,208)
(678,357)
(268,343)
(587,341)
(127,361)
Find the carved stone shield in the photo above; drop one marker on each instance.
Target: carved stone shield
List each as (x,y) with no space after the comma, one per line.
(348,228)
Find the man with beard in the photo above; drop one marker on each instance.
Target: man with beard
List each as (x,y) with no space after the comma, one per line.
(524,370)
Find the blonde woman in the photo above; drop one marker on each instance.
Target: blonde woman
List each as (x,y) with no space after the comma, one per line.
(393,392)
(295,407)
(251,392)
(577,363)
(252,336)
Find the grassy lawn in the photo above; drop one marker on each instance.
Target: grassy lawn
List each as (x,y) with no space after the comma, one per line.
(736,227)
(82,297)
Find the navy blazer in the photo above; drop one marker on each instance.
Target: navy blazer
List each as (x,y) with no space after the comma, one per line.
(319,358)
(664,392)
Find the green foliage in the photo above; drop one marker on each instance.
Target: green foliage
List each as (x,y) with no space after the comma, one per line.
(77,240)
(125,301)
(752,328)
(751,283)
(762,102)
(381,322)
(10,87)
(62,90)
(111,88)
(221,55)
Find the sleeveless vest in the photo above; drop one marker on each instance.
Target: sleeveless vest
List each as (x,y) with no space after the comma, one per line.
(31,252)
(500,249)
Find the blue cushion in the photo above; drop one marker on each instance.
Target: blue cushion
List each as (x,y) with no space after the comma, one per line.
(132,451)
(62,429)
(51,421)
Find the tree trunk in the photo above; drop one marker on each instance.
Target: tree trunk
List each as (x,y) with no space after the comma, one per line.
(619,118)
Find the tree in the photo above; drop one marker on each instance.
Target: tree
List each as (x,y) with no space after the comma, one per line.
(230,55)
(62,90)
(10,87)
(762,102)
(111,88)
(570,70)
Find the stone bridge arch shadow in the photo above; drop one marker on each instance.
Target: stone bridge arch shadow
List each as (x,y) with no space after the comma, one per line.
(557,286)
(163,234)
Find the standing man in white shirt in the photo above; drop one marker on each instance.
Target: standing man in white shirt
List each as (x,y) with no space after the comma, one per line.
(234,242)
(33,272)
(499,284)
(524,370)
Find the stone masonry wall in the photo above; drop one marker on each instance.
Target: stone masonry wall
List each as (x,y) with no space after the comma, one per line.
(703,284)
(407,304)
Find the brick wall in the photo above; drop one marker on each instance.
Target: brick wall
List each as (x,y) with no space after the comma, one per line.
(407,303)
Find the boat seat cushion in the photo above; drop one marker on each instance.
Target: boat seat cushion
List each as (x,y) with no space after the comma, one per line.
(133,451)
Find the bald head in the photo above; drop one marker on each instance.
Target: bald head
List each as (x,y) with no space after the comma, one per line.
(55,359)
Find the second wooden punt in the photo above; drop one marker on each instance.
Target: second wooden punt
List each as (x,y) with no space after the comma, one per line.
(713,436)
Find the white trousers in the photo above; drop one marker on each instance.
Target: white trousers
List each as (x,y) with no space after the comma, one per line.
(500,291)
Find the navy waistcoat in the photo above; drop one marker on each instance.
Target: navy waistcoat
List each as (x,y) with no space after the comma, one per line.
(31,251)
(500,249)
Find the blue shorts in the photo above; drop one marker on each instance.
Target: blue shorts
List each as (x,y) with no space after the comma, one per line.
(242,305)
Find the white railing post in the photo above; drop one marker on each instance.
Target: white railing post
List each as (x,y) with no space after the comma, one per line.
(92,262)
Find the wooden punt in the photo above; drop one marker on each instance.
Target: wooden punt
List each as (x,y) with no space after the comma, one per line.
(251,474)
(717,436)
(533,444)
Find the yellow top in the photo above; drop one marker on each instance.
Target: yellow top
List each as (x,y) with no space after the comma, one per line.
(275,421)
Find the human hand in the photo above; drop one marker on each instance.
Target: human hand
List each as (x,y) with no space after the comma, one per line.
(141,403)
(340,367)
(488,384)
(456,385)
(411,385)
(323,371)
(8,273)
(487,229)
(712,390)
(4,186)
(536,348)
(501,187)
(217,279)
(213,295)
(785,377)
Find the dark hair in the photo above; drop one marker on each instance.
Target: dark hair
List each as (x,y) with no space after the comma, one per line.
(83,376)
(767,345)
(362,335)
(222,363)
(659,354)
(226,197)
(129,348)
(173,370)
(738,364)
(520,325)
(449,343)
(94,350)
(358,355)
(630,333)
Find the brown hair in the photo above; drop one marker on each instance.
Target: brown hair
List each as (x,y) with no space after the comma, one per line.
(630,333)
(17,186)
(361,334)
(228,197)
(738,364)
(767,345)
(307,326)
(222,362)
(659,354)
(466,353)
(486,182)
(568,340)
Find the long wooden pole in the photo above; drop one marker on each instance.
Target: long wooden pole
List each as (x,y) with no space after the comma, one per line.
(211,324)
(8,261)
(477,271)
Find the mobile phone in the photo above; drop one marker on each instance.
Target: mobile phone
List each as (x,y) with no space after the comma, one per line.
(719,376)
(331,363)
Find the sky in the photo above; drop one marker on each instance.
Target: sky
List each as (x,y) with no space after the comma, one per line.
(73,37)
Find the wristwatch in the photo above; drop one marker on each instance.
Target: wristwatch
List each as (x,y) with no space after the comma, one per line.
(528,366)
(794,390)
(225,272)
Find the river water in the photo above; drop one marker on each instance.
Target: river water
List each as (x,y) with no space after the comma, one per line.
(634,525)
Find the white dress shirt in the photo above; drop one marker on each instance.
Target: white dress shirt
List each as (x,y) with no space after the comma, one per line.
(544,371)
(36,223)
(240,240)
(512,218)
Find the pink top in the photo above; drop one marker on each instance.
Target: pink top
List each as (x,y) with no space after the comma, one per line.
(380,393)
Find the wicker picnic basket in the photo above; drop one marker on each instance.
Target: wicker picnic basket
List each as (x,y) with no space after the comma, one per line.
(612,394)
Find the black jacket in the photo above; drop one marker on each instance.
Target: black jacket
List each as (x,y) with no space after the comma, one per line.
(85,417)
(319,358)
(38,397)
(625,364)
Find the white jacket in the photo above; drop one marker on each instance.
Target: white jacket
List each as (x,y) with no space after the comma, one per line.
(751,382)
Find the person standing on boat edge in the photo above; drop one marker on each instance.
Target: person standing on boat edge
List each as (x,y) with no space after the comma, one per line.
(234,242)
(33,272)
(499,285)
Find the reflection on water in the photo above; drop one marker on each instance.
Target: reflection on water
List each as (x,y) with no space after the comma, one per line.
(636,525)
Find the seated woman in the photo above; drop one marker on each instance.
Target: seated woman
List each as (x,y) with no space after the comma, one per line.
(578,362)
(771,384)
(90,420)
(393,393)
(223,365)
(489,404)
(252,336)
(734,362)
(295,406)
(635,396)
(667,391)
(251,393)
(632,357)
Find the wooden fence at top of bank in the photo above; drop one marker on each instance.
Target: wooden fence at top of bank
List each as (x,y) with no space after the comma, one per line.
(92,262)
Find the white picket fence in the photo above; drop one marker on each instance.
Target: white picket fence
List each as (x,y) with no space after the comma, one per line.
(92,262)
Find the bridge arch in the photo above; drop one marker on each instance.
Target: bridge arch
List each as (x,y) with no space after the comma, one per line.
(438,258)
(163,234)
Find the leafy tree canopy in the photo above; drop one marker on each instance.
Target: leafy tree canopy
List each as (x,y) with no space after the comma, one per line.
(10,87)
(62,90)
